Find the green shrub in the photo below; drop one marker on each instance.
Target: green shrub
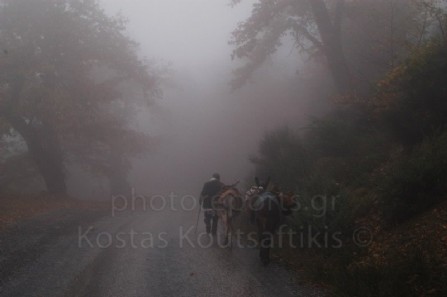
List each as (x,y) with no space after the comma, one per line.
(283,157)
(414,95)
(346,146)
(414,274)
(416,181)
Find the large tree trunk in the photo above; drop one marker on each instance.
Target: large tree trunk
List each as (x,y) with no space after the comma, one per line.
(45,151)
(119,183)
(330,33)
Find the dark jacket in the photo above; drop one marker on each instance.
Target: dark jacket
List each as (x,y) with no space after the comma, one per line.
(210,193)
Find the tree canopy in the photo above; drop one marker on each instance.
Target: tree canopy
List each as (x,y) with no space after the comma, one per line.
(66,69)
(359,41)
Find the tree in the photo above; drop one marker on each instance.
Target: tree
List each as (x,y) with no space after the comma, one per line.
(282,156)
(375,34)
(313,24)
(63,68)
(411,98)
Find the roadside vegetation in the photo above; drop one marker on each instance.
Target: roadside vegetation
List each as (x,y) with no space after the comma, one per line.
(21,207)
(71,84)
(382,164)
(371,172)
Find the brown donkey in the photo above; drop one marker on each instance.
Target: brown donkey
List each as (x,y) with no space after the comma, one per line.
(229,205)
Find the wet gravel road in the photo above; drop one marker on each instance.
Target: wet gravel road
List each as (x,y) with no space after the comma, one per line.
(73,253)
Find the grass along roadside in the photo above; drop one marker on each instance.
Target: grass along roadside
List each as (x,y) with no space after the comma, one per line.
(15,208)
(409,259)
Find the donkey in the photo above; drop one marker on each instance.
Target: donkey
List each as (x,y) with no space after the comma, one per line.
(252,195)
(268,208)
(229,205)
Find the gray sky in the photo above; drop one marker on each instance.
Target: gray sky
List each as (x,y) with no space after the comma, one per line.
(204,127)
(176,30)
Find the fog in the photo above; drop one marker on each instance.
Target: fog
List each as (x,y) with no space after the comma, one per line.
(337,106)
(202,125)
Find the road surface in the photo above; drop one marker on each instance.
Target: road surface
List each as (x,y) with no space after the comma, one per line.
(150,253)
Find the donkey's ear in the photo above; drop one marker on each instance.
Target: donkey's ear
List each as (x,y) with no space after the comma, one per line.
(257,181)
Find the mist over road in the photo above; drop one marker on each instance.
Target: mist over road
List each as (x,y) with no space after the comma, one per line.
(132,254)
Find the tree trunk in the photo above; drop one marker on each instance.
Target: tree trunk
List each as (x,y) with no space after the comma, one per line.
(119,183)
(45,151)
(332,44)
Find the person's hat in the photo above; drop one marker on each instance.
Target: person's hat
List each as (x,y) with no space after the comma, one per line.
(216,176)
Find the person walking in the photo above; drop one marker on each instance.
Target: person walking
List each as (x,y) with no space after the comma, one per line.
(208,199)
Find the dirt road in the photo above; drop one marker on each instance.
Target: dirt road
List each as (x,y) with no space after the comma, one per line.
(156,253)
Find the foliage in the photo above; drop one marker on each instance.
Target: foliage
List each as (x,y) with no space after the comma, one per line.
(65,68)
(312,25)
(344,148)
(358,41)
(283,157)
(16,171)
(409,276)
(411,99)
(416,181)
(386,166)
(406,261)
